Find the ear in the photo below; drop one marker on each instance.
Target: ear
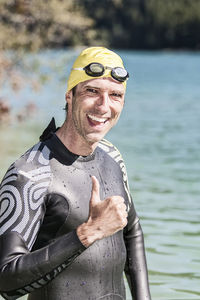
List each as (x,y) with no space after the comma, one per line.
(68,97)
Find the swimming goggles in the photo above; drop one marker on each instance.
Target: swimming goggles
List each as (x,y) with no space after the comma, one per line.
(96,69)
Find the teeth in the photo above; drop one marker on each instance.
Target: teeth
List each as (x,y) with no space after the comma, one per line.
(98,119)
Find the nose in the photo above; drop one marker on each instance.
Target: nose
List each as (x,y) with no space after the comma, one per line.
(103,102)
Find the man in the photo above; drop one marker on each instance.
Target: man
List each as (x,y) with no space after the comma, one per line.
(68,225)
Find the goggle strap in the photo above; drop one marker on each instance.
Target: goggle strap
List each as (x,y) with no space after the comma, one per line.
(78,69)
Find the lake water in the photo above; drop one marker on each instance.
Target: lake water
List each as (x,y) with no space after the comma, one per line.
(159,137)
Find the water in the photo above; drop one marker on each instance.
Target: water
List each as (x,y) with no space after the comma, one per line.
(159,137)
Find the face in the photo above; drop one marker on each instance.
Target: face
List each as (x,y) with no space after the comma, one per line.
(95,108)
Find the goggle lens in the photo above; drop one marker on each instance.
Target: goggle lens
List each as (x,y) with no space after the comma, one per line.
(94,69)
(119,74)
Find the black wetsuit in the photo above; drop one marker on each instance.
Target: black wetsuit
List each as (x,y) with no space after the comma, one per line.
(44,197)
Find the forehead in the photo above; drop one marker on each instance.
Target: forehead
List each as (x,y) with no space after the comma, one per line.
(102,83)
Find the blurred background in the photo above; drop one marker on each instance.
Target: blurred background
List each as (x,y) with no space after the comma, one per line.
(159,130)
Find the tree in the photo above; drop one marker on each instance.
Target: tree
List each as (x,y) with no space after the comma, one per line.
(38,24)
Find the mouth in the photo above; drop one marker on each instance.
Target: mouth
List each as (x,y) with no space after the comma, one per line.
(96,120)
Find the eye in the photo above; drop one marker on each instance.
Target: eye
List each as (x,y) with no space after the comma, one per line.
(116,95)
(92,90)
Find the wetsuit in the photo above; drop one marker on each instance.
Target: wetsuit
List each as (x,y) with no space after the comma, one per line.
(44,197)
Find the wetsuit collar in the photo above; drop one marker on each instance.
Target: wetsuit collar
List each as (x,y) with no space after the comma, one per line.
(62,154)
(59,150)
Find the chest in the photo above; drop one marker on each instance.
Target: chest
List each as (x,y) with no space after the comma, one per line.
(75,185)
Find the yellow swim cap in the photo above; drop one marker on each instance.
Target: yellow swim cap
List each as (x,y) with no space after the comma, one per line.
(93,54)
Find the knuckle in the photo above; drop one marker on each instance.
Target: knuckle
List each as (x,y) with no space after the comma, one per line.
(124,222)
(121,199)
(124,206)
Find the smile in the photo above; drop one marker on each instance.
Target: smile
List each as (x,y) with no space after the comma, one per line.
(96,119)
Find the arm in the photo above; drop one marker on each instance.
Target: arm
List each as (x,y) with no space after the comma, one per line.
(136,267)
(22,271)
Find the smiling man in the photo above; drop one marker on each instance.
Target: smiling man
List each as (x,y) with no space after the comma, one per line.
(92,111)
(68,227)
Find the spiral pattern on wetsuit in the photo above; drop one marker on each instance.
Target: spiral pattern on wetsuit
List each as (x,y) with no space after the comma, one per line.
(10,204)
(22,194)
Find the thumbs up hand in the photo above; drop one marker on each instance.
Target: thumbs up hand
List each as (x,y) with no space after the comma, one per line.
(105,217)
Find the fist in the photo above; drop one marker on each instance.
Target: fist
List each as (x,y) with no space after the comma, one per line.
(105,217)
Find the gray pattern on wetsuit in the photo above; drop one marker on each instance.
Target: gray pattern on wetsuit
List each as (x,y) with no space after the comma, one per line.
(20,201)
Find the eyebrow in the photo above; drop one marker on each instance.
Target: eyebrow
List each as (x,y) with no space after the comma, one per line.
(92,86)
(99,88)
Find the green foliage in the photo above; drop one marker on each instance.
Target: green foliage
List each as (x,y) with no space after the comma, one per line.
(135,24)
(38,24)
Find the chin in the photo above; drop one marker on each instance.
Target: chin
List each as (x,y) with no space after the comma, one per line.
(93,139)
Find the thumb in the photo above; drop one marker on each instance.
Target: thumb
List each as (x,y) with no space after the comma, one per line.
(95,197)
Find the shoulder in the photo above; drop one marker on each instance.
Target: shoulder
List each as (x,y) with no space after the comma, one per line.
(38,155)
(31,165)
(110,149)
(112,152)
(115,154)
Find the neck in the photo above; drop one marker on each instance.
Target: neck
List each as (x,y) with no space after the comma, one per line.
(75,144)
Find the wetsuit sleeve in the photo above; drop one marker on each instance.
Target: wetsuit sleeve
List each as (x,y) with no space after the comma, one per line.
(136,267)
(22,271)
